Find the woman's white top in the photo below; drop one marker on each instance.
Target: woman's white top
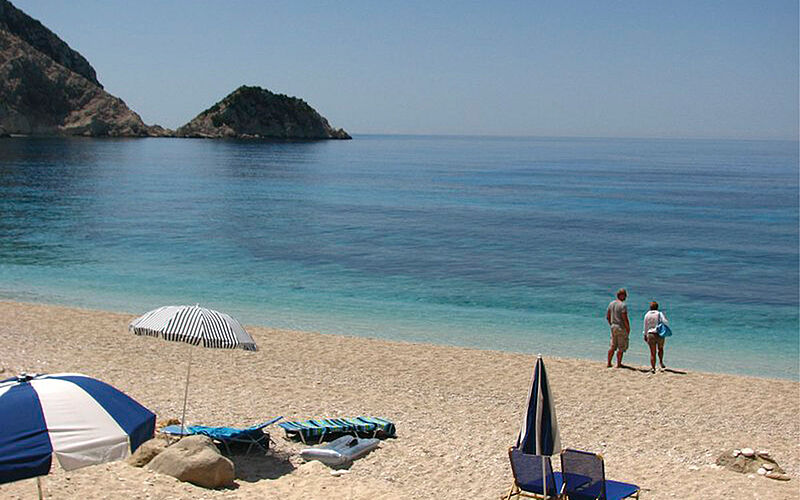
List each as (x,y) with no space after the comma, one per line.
(651,319)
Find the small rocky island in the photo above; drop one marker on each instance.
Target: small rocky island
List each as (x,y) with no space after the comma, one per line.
(256,113)
(47,88)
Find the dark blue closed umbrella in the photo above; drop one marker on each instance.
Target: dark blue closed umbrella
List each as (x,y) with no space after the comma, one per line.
(538,434)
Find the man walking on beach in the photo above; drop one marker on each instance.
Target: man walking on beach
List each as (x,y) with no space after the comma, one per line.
(617,317)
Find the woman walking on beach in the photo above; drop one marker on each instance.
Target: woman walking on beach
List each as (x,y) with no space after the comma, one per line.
(651,320)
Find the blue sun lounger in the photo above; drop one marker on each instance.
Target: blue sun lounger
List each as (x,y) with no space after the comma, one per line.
(315,429)
(227,436)
(318,429)
(379,427)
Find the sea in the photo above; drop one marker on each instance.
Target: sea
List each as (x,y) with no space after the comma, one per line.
(502,243)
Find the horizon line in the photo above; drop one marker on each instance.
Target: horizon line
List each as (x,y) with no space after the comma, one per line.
(596,137)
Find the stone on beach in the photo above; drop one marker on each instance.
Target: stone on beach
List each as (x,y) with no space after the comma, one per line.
(755,463)
(160,424)
(195,459)
(147,452)
(779,476)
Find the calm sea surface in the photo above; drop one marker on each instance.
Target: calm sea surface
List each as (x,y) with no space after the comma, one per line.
(499,243)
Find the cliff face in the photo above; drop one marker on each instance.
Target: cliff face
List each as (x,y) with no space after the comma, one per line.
(47,88)
(43,40)
(253,112)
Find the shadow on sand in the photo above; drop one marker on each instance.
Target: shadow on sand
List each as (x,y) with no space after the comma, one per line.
(644,369)
(255,467)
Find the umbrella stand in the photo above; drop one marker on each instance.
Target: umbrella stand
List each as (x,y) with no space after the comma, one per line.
(538,441)
(39,486)
(186,390)
(544,482)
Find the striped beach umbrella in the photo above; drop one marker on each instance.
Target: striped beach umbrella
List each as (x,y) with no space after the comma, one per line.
(193,325)
(538,434)
(76,419)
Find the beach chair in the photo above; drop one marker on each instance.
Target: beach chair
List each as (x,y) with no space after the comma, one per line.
(376,426)
(584,478)
(316,430)
(527,471)
(228,437)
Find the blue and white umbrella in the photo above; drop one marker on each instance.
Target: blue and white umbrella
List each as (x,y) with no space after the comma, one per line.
(538,434)
(79,420)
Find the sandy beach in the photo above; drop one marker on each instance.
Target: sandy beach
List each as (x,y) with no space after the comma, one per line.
(457,411)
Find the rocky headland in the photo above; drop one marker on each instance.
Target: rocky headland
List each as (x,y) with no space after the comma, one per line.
(47,88)
(256,113)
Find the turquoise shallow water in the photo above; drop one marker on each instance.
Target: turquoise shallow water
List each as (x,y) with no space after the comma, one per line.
(500,243)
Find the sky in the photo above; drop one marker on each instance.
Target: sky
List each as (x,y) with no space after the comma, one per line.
(576,68)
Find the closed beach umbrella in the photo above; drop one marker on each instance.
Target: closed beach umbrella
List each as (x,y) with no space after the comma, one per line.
(193,325)
(538,434)
(77,419)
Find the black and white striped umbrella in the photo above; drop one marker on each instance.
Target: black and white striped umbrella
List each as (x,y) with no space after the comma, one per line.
(193,325)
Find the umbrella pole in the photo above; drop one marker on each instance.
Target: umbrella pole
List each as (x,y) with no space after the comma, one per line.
(186,392)
(39,486)
(544,481)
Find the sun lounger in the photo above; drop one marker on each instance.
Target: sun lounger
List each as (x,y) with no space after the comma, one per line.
(340,452)
(382,428)
(316,430)
(227,436)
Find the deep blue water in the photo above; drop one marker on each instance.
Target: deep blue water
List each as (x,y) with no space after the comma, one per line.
(502,243)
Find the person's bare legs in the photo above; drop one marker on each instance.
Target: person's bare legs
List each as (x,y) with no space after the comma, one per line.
(660,357)
(610,356)
(652,346)
(619,358)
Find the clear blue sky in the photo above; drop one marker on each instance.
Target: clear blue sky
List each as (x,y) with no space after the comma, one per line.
(637,68)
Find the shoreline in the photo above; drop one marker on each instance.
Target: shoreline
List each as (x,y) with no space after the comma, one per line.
(457,411)
(599,358)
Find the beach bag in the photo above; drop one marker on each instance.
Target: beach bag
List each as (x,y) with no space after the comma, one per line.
(662,329)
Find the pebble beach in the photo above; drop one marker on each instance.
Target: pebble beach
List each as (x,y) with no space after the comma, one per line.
(457,411)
